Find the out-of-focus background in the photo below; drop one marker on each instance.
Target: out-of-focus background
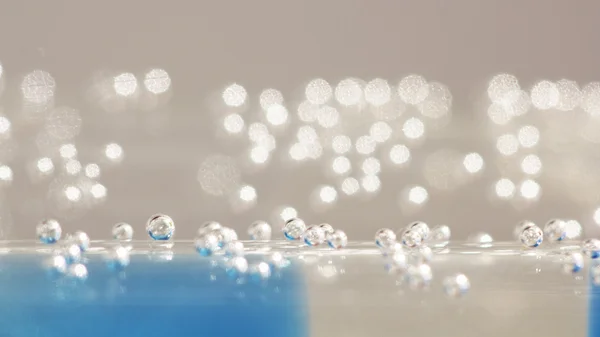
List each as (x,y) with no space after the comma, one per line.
(239,111)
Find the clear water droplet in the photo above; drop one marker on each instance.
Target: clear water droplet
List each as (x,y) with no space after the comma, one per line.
(555,230)
(208,227)
(260,230)
(49,231)
(294,228)
(160,227)
(385,237)
(225,236)
(421,228)
(122,231)
(338,239)
(591,248)
(327,228)
(573,262)
(411,238)
(440,235)
(314,236)
(531,235)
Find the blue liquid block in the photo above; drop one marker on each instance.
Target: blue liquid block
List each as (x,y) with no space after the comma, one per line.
(186,296)
(594,309)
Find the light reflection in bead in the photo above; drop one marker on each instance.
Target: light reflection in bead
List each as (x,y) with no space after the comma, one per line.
(337,239)
(555,230)
(117,258)
(314,236)
(260,230)
(160,227)
(385,237)
(572,263)
(260,271)
(122,232)
(419,276)
(207,244)
(49,231)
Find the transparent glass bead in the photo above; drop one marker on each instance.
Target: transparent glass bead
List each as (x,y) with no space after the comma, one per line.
(421,228)
(337,239)
(294,228)
(236,266)
(385,237)
(555,230)
(117,258)
(260,271)
(591,248)
(260,230)
(122,232)
(456,285)
(78,272)
(207,244)
(573,262)
(411,239)
(440,235)
(160,227)
(225,236)
(314,236)
(71,253)
(49,231)
(531,236)
(419,276)
(234,248)
(327,228)
(80,239)
(277,261)
(208,227)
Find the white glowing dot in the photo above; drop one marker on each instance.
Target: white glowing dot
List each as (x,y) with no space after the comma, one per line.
(473,162)
(399,154)
(73,167)
(98,191)
(597,216)
(413,128)
(531,164)
(6,173)
(233,123)
(371,183)
(341,144)
(505,188)
(288,213)
(530,189)
(67,151)
(544,95)
(270,97)
(38,87)
(350,186)
(234,95)
(380,131)
(318,91)
(328,194)
(257,131)
(328,116)
(307,134)
(73,193)
(413,89)
(114,152)
(315,150)
(365,145)
(371,166)
(348,92)
(591,98)
(277,114)
(247,193)
(507,144)
(45,165)
(157,81)
(1,70)
(341,165)
(528,136)
(378,92)
(268,142)
(499,113)
(125,84)
(259,154)
(500,86)
(438,102)
(4,125)
(517,102)
(418,195)
(92,170)
(573,229)
(308,112)
(569,95)
(298,151)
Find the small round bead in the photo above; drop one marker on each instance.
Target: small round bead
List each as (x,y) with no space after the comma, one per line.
(236,266)
(122,232)
(419,276)
(294,229)
(260,230)
(440,235)
(424,254)
(421,228)
(208,227)
(234,248)
(411,239)
(226,235)
(277,261)
(314,236)
(160,227)
(456,285)
(207,244)
(49,231)
(337,239)
(555,230)
(77,271)
(573,262)
(531,235)
(327,228)
(385,237)
(81,239)
(260,271)
(591,248)
(117,258)
(71,253)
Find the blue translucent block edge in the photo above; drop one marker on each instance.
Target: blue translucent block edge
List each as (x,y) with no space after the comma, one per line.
(186,296)
(593,308)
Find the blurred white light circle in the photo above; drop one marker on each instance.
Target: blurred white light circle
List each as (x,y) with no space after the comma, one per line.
(573,229)
(371,184)
(371,166)
(341,144)
(505,188)
(318,91)
(92,170)
(298,152)
(73,167)
(499,113)
(125,84)
(114,152)
(277,114)
(45,165)
(6,174)
(308,112)
(98,191)
(259,155)
(530,189)
(67,151)
(378,92)
(365,145)
(328,194)
(270,97)
(288,213)
(350,186)
(528,136)
(341,165)
(591,98)
(544,95)
(531,164)
(413,128)
(72,193)
(233,123)
(157,81)
(247,193)
(500,86)
(569,95)
(418,195)
(507,144)
(234,95)
(5,125)
(349,92)
(380,131)
(257,131)
(413,89)
(399,154)
(38,87)
(328,116)
(473,162)
(438,102)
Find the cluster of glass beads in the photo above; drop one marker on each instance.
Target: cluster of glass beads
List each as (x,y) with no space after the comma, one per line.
(296,229)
